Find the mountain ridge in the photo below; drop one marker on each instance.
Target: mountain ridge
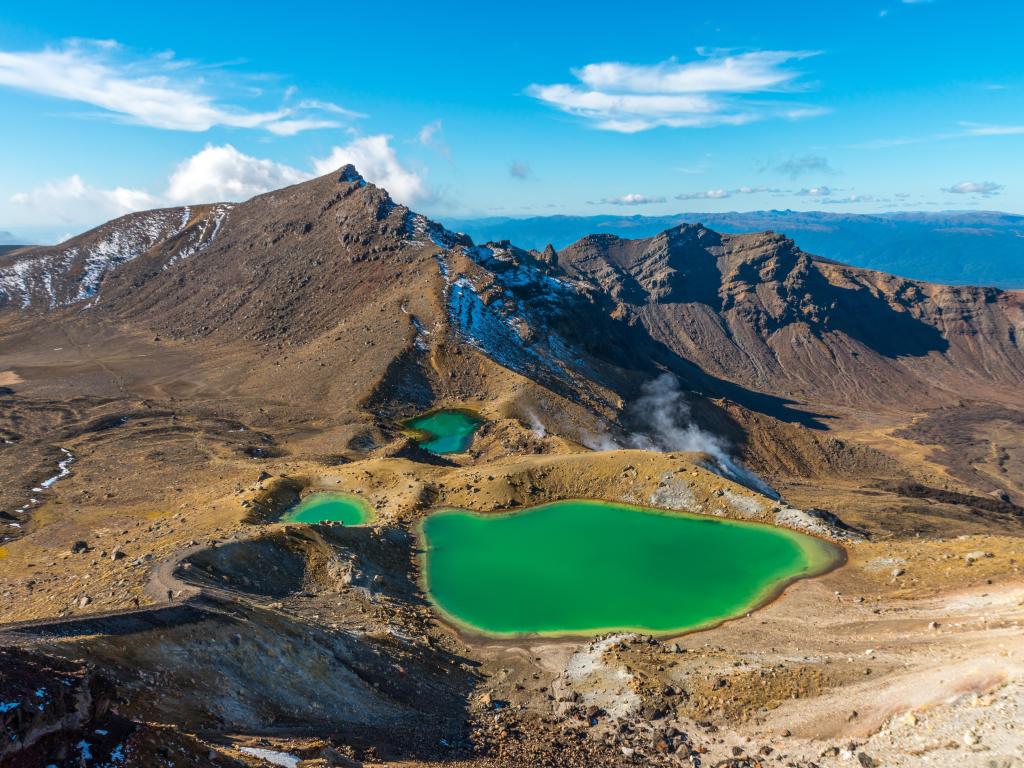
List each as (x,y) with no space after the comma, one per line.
(294,265)
(953,247)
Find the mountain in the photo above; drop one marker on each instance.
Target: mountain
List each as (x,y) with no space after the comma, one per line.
(174,382)
(74,270)
(956,248)
(742,316)
(760,312)
(8,242)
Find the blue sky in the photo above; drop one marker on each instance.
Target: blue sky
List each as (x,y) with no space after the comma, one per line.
(463,109)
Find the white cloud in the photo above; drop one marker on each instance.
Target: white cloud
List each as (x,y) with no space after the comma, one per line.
(631,199)
(215,173)
(852,199)
(721,194)
(327,106)
(157,91)
(709,194)
(429,131)
(628,98)
(375,159)
(71,200)
(745,73)
(432,135)
(821,191)
(980,188)
(224,173)
(974,129)
(292,127)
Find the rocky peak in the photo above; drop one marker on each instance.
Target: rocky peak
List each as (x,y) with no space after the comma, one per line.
(349,174)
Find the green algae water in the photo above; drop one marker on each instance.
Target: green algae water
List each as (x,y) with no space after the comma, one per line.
(448,431)
(581,567)
(336,507)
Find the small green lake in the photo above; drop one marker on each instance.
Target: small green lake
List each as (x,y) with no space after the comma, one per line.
(582,567)
(447,431)
(336,507)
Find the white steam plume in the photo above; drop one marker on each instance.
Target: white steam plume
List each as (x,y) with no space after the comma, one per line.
(662,416)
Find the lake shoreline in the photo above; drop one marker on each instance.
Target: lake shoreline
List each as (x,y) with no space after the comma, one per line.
(826,557)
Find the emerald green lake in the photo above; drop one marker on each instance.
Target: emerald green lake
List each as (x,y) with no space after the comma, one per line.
(337,507)
(581,567)
(449,431)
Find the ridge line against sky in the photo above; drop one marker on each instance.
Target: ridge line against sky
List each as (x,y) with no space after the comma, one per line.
(898,106)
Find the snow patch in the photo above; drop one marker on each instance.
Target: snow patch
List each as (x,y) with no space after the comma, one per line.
(45,278)
(272,756)
(487,330)
(201,237)
(117,756)
(62,467)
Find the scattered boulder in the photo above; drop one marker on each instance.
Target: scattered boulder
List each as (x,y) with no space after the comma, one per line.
(972,557)
(336,759)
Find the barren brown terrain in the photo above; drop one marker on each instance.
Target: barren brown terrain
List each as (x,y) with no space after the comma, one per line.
(236,359)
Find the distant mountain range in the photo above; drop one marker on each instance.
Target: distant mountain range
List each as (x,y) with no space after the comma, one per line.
(956,247)
(8,242)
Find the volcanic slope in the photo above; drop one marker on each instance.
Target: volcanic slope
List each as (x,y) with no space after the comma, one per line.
(751,310)
(206,367)
(756,310)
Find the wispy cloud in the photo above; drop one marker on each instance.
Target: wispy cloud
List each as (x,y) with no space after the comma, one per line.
(721,193)
(631,199)
(290,127)
(715,90)
(967,129)
(519,170)
(821,191)
(157,91)
(708,194)
(432,135)
(977,129)
(852,199)
(977,188)
(801,166)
